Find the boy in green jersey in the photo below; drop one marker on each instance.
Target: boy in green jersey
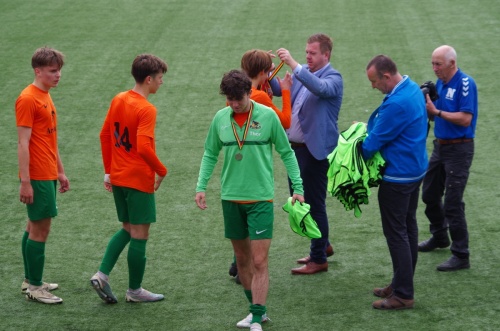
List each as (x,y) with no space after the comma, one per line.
(246,131)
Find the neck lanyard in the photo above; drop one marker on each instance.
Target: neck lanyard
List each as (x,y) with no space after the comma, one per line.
(241,142)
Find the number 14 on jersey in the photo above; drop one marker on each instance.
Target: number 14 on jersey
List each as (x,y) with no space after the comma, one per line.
(123,139)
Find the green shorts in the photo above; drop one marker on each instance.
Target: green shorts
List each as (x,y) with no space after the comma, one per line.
(44,200)
(242,220)
(134,206)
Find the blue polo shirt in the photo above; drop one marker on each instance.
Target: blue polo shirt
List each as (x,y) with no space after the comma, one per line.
(459,94)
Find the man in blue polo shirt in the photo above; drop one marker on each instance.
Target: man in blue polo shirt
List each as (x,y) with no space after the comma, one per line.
(455,115)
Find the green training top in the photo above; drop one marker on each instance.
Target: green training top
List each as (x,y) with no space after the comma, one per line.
(301,221)
(247,173)
(349,175)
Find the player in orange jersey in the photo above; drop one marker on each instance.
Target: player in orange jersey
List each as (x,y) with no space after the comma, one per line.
(257,64)
(133,173)
(40,167)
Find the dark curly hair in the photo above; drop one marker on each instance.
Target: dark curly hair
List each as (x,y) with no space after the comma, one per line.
(235,85)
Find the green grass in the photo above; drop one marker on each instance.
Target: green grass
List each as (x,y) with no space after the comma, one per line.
(188,257)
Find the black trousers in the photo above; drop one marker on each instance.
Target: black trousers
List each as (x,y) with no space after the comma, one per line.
(314,179)
(398,208)
(447,177)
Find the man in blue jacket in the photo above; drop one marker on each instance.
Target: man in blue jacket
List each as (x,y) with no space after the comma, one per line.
(316,99)
(398,129)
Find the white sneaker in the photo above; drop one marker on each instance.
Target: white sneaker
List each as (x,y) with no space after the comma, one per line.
(46,286)
(103,289)
(245,323)
(142,296)
(255,327)
(42,295)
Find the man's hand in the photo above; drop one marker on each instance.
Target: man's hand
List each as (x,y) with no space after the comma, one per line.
(108,187)
(26,193)
(297,197)
(429,105)
(63,182)
(107,183)
(200,200)
(286,82)
(159,179)
(285,56)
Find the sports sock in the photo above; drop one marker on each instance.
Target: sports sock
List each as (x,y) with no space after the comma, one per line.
(23,250)
(115,247)
(136,259)
(248,293)
(257,312)
(35,257)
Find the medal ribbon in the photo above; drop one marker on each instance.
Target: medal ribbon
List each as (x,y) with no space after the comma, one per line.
(276,71)
(241,142)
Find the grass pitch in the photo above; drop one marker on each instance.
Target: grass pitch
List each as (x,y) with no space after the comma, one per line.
(188,258)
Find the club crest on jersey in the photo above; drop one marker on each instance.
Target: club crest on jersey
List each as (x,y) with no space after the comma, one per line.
(255,125)
(450,93)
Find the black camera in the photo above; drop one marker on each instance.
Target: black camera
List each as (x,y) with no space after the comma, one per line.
(430,89)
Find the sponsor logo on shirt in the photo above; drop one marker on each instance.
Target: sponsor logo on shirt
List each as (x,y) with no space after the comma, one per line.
(53,128)
(255,126)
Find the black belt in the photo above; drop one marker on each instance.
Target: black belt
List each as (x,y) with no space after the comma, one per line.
(454,141)
(297,144)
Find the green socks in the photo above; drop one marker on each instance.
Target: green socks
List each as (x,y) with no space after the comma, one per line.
(248,293)
(256,309)
(23,250)
(136,259)
(115,246)
(257,312)
(35,261)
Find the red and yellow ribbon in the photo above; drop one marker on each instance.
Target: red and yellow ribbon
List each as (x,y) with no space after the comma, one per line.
(238,140)
(276,70)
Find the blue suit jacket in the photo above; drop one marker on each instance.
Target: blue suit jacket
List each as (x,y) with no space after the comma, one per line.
(320,111)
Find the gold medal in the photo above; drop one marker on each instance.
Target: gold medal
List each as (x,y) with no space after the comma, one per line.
(238,156)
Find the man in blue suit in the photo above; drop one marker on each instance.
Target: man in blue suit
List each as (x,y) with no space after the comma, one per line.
(316,99)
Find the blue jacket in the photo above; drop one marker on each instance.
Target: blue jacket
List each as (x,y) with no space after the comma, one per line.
(398,129)
(320,112)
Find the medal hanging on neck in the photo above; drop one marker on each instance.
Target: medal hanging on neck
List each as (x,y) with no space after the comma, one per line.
(241,142)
